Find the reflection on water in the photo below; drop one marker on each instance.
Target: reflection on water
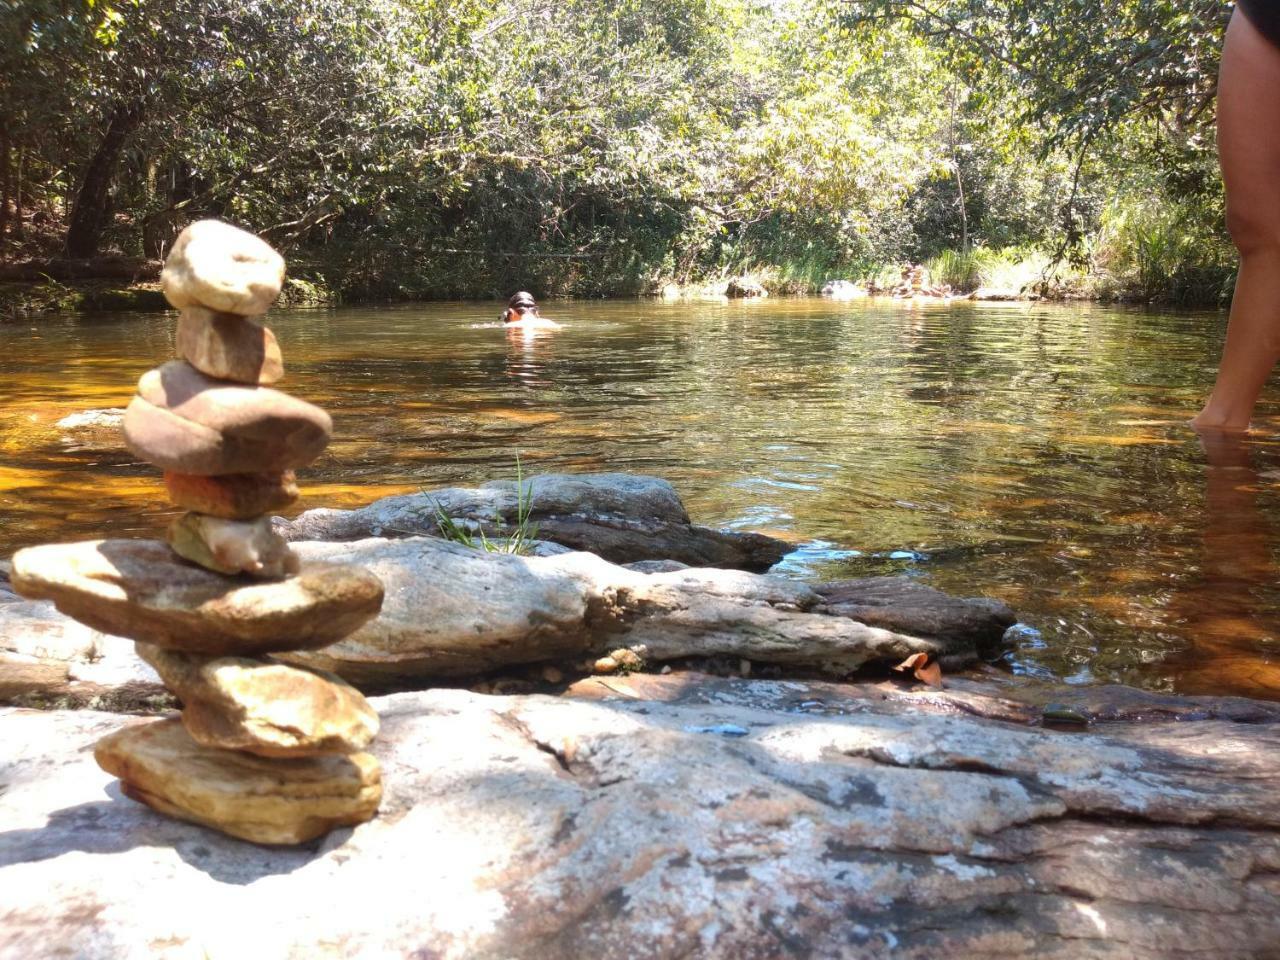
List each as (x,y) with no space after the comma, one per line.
(1033,453)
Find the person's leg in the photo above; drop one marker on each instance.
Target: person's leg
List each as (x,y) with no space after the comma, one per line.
(1249,147)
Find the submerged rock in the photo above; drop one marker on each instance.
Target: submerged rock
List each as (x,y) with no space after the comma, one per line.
(263,706)
(621,517)
(748,821)
(266,801)
(141,590)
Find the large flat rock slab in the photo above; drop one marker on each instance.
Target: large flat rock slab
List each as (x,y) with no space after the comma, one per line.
(621,517)
(452,611)
(745,824)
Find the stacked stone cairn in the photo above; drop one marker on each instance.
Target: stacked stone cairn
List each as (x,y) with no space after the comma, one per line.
(264,751)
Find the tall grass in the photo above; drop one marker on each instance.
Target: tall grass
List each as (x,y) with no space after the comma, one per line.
(1161,252)
(520,540)
(1013,268)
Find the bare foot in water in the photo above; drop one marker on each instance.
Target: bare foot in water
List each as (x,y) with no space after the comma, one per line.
(1210,421)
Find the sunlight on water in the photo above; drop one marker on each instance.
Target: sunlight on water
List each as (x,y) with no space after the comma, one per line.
(1029,452)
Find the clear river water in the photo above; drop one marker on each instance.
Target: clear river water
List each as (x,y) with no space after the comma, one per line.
(1036,453)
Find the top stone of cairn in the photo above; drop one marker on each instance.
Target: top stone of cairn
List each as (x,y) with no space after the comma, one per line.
(216,265)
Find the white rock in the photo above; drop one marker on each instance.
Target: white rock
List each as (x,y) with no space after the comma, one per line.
(216,265)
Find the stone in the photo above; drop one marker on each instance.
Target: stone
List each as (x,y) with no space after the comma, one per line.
(232,546)
(622,517)
(92,430)
(265,801)
(21,676)
(215,265)
(264,707)
(228,346)
(233,496)
(744,288)
(141,590)
(452,611)
(907,606)
(719,819)
(186,422)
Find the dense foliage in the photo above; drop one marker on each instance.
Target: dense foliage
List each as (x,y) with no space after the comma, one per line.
(466,147)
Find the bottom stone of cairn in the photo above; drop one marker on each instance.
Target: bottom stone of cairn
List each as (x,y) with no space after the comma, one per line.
(271,801)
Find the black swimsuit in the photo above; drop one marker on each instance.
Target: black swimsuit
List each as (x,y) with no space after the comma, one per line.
(1265,15)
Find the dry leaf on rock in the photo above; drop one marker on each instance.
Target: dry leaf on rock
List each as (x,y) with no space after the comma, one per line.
(923,669)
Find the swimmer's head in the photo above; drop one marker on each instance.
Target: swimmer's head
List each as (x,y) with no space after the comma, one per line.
(521,305)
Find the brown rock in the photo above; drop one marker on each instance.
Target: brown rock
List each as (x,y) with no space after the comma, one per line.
(232,546)
(141,590)
(265,801)
(229,346)
(264,707)
(216,265)
(186,422)
(20,676)
(234,496)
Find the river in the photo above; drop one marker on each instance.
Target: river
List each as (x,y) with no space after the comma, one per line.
(1036,453)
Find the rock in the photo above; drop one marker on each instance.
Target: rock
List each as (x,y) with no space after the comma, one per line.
(232,546)
(229,347)
(139,589)
(186,422)
(452,611)
(1000,294)
(621,517)
(739,822)
(21,676)
(842,290)
(92,429)
(34,628)
(265,801)
(903,605)
(623,541)
(605,665)
(234,496)
(64,661)
(656,566)
(264,707)
(744,288)
(215,265)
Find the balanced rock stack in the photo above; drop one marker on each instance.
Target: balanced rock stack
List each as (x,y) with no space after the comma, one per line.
(263,751)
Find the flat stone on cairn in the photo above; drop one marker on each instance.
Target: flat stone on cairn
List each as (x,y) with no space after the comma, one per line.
(183,421)
(264,707)
(246,796)
(232,496)
(232,546)
(229,347)
(264,751)
(142,590)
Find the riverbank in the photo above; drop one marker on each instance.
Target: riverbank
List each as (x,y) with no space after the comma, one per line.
(23,300)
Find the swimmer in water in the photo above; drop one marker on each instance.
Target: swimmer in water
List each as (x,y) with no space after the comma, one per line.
(522,314)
